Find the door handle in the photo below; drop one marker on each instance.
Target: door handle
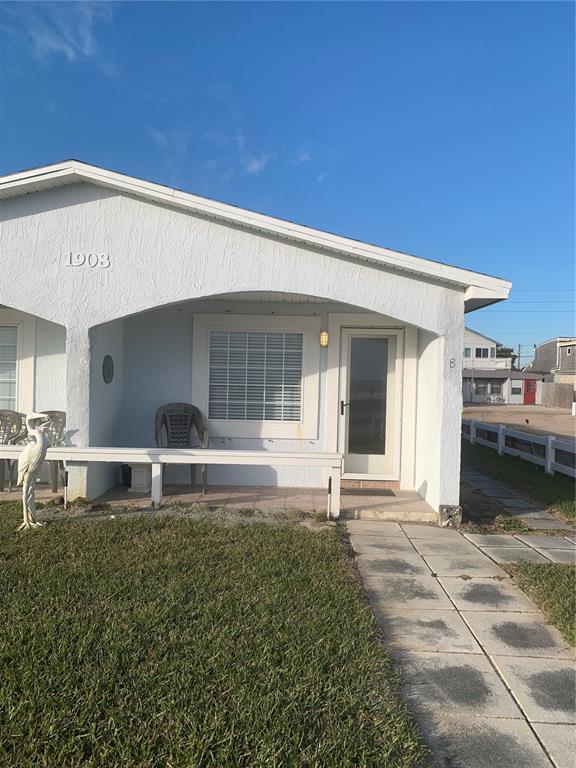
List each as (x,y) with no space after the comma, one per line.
(342,406)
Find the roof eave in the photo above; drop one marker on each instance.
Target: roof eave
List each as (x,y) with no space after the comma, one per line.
(480,290)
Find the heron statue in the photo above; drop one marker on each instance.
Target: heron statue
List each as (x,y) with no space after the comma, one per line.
(29,463)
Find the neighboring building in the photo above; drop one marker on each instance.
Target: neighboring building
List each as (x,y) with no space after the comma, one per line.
(555,359)
(120,295)
(499,387)
(480,352)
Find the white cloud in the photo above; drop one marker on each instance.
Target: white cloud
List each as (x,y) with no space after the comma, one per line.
(58,28)
(302,157)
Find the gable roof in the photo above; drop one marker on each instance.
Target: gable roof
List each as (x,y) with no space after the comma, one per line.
(480,290)
(481,335)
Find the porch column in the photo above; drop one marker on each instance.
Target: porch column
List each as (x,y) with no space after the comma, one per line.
(451,421)
(77,403)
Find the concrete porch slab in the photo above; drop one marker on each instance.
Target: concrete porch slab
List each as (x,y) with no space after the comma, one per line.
(456,684)
(425,630)
(544,688)
(486,594)
(521,634)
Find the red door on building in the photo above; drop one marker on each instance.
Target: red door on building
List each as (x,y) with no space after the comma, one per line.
(530,392)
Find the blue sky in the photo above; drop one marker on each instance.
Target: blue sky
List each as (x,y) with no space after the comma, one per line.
(441,129)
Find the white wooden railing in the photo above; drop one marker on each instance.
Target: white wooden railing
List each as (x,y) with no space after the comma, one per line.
(157,457)
(549,451)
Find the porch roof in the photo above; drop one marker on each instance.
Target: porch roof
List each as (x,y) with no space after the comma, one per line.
(480,290)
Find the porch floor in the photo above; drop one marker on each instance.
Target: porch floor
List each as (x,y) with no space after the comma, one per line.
(355,502)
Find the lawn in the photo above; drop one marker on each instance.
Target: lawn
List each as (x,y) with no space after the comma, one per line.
(166,641)
(556,493)
(553,588)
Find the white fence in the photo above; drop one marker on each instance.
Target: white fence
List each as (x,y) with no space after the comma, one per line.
(549,451)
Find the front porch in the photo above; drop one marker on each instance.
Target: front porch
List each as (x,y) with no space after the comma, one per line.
(356,503)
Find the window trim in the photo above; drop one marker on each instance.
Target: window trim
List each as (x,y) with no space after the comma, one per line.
(25,356)
(16,360)
(309,326)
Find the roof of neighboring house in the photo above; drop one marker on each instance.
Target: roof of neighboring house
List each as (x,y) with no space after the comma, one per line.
(471,330)
(499,373)
(567,343)
(556,340)
(480,290)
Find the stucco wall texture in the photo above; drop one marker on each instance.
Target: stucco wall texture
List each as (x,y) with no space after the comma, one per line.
(158,257)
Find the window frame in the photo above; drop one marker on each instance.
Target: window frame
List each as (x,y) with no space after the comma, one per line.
(467,352)
(309,326)
(17,328)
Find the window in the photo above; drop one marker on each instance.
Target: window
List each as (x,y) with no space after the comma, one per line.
(516,391)
(481,351)
(481,387)
(8,366)
(496,388)
(255,375)
(492,351)
(568,350)
(467,352)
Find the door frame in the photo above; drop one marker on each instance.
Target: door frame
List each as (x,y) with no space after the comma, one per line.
(359,322)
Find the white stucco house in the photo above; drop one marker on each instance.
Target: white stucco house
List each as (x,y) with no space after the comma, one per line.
(285,337)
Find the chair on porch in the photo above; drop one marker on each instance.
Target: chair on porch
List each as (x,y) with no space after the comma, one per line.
(54,429)
(174,425)
(10,431)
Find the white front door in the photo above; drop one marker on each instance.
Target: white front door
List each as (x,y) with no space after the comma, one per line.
(367,402)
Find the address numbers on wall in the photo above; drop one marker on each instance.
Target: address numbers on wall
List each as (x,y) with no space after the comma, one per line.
(88,260)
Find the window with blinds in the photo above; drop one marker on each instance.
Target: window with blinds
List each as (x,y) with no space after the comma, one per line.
(255,375)
(8,362)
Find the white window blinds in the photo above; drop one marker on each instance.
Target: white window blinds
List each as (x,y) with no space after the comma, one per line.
(8,358)
(255,375)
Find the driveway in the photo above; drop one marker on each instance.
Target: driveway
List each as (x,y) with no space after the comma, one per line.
(491,683)
(541,420)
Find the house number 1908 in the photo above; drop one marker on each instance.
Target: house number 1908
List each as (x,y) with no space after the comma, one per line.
(91,260)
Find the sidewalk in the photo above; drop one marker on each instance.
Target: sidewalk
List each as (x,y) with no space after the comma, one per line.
(492,684)
(512,503)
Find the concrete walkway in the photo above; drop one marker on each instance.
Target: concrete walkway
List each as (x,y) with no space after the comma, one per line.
(512,503)
(492,684)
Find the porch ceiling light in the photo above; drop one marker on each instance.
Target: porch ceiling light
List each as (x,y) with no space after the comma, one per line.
(323,338)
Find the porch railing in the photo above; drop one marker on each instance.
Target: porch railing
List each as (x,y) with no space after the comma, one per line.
(73,456)
(548,451)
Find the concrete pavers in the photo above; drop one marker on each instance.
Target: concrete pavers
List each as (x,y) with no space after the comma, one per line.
(514,555)
(464,565)
(483,742)
(560,741)
(486,595)
(375,528)
(567,556)
(545,525)
(549,542)
(427,630)
(387,591)
(544,688)
(367,545)
(457,683)
(523,634)
(482,669)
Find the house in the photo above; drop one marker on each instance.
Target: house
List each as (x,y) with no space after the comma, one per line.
(480,352)
(487,378)
(556,360)
(119,295)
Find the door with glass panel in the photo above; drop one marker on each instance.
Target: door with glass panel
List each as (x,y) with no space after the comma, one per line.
(366,401)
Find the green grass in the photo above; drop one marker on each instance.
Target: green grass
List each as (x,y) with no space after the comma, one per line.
(556,493)
(173,642)
(552,586)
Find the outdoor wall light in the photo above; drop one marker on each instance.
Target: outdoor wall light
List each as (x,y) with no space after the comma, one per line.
(323,338)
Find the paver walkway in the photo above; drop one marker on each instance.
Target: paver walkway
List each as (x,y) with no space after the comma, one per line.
(492,684)
(513,503)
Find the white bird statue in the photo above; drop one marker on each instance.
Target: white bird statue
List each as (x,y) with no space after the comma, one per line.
(29,463)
